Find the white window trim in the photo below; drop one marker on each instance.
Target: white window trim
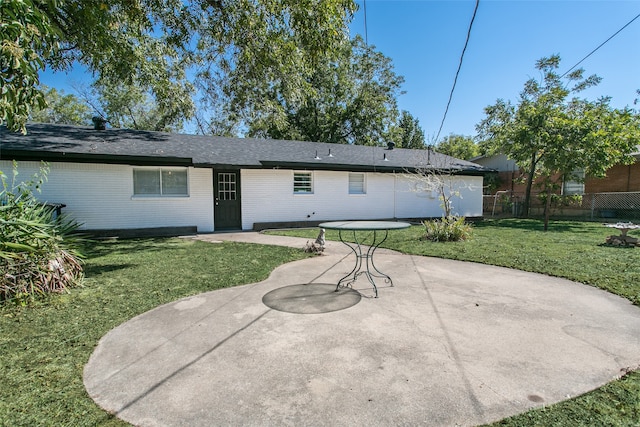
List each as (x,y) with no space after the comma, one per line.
(159,196)
(311,179)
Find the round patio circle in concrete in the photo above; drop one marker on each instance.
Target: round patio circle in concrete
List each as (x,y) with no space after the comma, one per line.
(311,298)
(452,343)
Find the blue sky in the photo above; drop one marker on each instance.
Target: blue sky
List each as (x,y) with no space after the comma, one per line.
(425,38)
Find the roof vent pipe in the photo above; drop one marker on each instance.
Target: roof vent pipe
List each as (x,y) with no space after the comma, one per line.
(390,145)
(99,123)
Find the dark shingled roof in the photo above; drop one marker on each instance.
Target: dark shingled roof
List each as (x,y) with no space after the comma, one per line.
(123,146)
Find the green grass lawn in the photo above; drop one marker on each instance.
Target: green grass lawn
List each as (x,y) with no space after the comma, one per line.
(44,347)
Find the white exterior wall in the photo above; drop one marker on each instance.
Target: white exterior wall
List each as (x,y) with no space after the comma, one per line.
(412,202)
(100,196)
(267,196)
(469,203)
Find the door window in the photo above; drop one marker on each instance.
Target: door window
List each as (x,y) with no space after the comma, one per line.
(226,186)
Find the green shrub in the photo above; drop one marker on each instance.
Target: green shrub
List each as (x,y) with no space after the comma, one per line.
(447,229)
(37,249)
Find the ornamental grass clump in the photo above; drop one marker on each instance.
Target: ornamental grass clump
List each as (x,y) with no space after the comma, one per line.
(38,252)
(447,229)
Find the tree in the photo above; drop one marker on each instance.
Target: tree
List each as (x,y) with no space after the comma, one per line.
(551,137)
(129,106)
(458,146)
(26,41)
(352,101)
(163,45)
(61,108)
(409,134)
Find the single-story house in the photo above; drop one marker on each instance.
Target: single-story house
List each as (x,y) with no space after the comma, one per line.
(119,179)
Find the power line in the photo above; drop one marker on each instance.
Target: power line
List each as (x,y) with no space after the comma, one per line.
(455,80)
(602,44)
(366,38)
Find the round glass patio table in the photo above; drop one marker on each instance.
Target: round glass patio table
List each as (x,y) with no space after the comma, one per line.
(364,247)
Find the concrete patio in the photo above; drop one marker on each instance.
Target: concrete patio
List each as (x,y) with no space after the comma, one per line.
(452,343)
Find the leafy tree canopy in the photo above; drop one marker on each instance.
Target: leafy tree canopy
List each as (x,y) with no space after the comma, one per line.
(162,46)
(408,133)
(352,100)
(458,146)
(65,109)
(551,136)
(129,106)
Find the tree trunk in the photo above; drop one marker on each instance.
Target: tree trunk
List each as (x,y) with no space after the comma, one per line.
(547,209)
(527,192)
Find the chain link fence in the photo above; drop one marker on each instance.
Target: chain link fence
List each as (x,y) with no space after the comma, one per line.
(590,206)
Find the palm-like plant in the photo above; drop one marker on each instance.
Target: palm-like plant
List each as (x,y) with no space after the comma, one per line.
(37,249)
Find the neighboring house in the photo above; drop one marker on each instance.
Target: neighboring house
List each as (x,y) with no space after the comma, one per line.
(616,195)
(126,180)
(620,178)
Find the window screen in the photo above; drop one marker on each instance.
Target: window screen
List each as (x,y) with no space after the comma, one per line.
(302,183)
(570,187)
(146,181)
(160,182)
(356,183)
(174,182)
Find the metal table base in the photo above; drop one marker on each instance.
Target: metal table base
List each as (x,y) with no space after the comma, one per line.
(370,270)
(364,264)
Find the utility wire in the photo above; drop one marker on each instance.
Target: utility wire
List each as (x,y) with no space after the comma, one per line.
(366,38)
(458,71)
(602,44)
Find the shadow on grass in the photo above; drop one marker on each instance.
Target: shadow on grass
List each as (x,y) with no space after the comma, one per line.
(97,248)
(534,225)
(605,245)
(91,270)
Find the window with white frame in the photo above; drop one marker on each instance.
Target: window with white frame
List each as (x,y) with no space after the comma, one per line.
(357,183)
(160,182)
(574,184)
(302,183)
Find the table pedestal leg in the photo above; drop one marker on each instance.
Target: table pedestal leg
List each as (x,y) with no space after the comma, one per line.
(370,269)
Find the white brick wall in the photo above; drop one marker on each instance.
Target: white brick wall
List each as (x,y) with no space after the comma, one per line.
(470,201)
(267,196)
(411,202)
(101,197)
